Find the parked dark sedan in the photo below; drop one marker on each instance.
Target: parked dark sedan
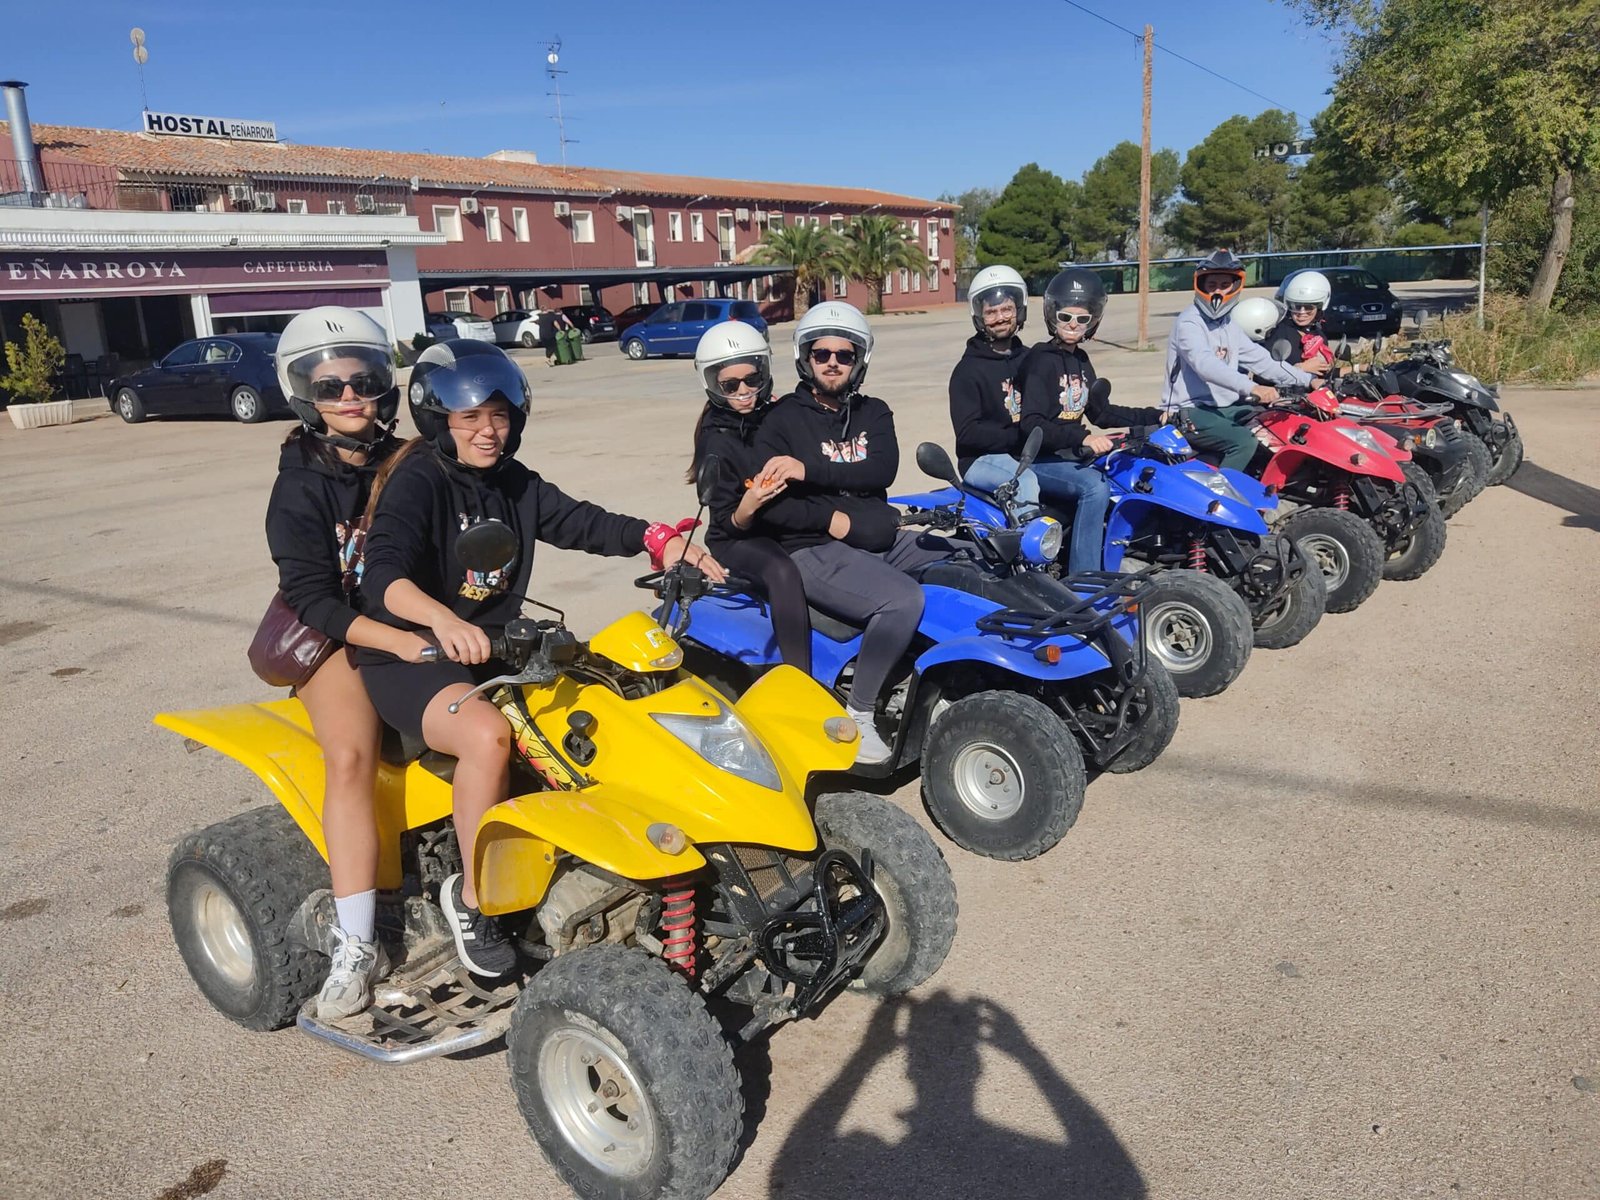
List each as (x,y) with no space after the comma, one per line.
(634,314)
(232,374)
(593,321)
(1361,305)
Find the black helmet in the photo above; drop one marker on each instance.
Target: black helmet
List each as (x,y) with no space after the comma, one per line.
(461,374)
(1217,303)
(1076,287)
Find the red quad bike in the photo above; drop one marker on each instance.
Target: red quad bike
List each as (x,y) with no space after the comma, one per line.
(1346,497)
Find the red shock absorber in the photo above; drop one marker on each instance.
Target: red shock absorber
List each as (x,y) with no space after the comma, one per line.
(1197,554)
(1341,497)
(677,931)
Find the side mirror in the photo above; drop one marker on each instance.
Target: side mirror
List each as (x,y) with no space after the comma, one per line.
(1030,449)
(1377,344)
(1279,350)
(1344,351)
(1100,391)
(487,546)
(705,479)
(932,460)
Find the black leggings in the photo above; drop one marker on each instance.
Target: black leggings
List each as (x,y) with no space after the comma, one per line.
(763,561)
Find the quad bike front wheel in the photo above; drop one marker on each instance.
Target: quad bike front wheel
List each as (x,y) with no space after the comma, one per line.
(1417,551)
(625,1080)
(1294,614)
(1344,548)
(1155,715)
(232,890)
(910,876)
(1198,628)
(1002,775)
(1506,462)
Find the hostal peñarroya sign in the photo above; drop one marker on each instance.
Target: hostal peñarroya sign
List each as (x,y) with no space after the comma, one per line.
(189,125)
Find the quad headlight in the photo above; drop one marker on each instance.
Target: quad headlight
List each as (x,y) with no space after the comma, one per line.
(1041,541)
(1364,439)
(1217,484)
(725,742)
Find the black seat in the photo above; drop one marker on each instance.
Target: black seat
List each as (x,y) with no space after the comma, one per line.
(833,628)
(399,750)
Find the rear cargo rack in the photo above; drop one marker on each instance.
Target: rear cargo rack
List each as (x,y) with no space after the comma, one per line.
(1114,595)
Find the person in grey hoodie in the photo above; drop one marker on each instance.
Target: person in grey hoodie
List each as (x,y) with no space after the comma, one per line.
(1207,388)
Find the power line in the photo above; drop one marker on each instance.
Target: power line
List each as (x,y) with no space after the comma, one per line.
(1139,37)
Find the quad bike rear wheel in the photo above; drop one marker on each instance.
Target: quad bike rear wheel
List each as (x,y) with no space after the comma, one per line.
(910,876)
(1002,775)
(625,1080)
(1295,613)
(1482,464)
(232,890)
(1414,554)
(1155,709)
(1198,628)
(1344,548)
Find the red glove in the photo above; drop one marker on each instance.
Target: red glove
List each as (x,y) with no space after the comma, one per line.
(1314,345)
(658,535)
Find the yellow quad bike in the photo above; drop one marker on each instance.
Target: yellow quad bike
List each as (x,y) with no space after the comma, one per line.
(657,865)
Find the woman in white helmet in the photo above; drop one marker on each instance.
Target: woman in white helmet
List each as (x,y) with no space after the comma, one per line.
(1300,332)
(335,370)
(986,387)
(734,363)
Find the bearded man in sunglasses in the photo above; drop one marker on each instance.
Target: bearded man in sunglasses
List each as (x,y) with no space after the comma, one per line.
(1207,359)
(1056,399)
(836,453)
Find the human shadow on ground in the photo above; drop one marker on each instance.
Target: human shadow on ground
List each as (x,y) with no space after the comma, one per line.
(942,1146)
(1579,499)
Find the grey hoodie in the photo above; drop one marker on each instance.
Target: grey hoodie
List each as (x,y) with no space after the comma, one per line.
(1207,359)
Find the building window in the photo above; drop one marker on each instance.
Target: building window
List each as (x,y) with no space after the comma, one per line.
(933,241)
(502,299)
(933,280)
(519,224)
(775,221)
(585,294)
(582,226)
(336,207)
(916,282)
(697,227)
(708,288)
(674,227)
(888,284)
(816,222)
(390,210)
(839,286)
(491,223)
(641,293)
(459,301)
(916,228)
(799,219)
(725,243)
(294,206)
(447,220)
(837,222)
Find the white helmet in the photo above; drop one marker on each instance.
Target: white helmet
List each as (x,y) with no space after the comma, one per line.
(994,286)
(1308,287)
(833,318)
(1257,316)
(329,334)
(729,342)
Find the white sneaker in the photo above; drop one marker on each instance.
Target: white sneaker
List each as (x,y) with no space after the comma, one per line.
(873,749)
(357,965)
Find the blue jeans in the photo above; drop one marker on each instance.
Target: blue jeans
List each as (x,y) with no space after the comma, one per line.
(991,470)
(1062,482)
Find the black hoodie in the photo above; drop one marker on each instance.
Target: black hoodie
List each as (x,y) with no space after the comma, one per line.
(851,458)
(986,399)
(429,500)
(1055,398)
(731,437)
(1293,336)
(313,531)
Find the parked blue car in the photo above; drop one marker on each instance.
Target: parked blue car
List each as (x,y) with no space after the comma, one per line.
(213,375)
(675,328)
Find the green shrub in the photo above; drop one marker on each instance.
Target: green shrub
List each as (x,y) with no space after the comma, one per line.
(34,365)
(1512,346)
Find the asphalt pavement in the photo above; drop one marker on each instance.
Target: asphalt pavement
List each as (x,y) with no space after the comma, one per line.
(1340,940)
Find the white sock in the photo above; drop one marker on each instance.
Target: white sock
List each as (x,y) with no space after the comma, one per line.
(358,914)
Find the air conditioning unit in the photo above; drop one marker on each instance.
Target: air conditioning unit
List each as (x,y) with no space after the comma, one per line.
(761,216)
(366,203)
(266,201)
(624,212)
(944,264)
(944,224)
(240,193)
(469,205)
(563,209)
(742,215)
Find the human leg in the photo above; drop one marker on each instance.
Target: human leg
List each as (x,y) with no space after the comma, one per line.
(1221,431)
(1086,489)
(764,561)
(992,470)
(862,588)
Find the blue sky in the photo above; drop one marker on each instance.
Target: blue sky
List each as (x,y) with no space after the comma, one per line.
(911,97)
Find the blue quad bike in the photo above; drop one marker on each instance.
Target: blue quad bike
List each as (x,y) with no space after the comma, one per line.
(1016,685)
(1225,581)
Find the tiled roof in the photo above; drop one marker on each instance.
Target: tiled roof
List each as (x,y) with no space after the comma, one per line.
(147,154)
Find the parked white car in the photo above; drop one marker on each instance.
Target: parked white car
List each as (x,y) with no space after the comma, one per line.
(516,327)
(459,325)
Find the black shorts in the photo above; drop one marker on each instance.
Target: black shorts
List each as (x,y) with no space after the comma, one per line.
(402,691)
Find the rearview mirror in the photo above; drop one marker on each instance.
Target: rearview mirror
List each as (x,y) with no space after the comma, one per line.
(705,479)
(1344,350)
(1280,350)
(487,546)
(1030,448)
(1377,344)
(1100,391)
(932,460)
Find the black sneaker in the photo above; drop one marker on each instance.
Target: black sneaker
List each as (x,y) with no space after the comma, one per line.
(483,949)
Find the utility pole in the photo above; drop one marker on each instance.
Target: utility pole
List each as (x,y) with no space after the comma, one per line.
(1144,200)
(1483,259)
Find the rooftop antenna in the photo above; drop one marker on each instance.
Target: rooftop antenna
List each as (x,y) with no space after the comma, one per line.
(552,58)
(140,56)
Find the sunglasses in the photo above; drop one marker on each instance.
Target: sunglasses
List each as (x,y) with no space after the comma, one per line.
(368,385)
(846,358)
(1302,308)
(1073,318)
(732,387)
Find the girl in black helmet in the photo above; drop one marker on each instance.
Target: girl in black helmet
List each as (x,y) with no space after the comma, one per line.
(470,404)
(334,368)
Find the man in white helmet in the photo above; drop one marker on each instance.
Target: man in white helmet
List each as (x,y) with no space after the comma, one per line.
(985,387)
(1207,357)
(827,441)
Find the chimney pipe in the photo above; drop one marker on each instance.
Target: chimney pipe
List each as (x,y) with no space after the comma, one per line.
(22,136)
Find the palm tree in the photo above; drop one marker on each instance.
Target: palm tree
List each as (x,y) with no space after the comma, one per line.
(811,251)
(876,245)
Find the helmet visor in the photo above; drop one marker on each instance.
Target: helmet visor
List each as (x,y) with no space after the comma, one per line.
(460,383)
(736,375)
(330,375)
(998,297)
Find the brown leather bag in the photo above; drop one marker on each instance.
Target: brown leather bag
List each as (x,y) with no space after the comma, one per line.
(286,652)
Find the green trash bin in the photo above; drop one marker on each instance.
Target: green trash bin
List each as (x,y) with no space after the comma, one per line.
(564,346)
(576,344)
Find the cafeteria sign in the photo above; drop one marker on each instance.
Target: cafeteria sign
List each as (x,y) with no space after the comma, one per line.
(186,125)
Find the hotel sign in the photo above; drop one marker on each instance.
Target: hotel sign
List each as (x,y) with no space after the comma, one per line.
(79,275)
(189,125)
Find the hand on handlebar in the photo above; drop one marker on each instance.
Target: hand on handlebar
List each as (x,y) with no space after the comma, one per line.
(1264,393)
(462,641)
(695,556)
(1099,443)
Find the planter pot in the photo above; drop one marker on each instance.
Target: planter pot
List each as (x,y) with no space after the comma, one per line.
(32,416)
